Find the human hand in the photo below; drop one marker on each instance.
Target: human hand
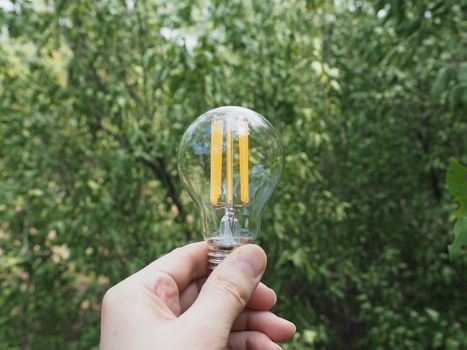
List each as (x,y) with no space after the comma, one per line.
(172,304)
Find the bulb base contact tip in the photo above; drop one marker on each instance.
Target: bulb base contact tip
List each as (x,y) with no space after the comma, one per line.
(219,250)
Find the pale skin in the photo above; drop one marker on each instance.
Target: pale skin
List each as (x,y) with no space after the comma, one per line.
(171,304)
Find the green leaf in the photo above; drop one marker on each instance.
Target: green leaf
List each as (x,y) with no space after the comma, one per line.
(456,182)
(459,244)
(441,81)
(93,185)
(434,315)
(462,72)
(457,179)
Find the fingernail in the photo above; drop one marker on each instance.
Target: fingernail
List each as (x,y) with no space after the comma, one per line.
(288,322)
(294,327)
(275,297)
(249,259)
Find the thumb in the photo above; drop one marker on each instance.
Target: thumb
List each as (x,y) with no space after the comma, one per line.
(229,287)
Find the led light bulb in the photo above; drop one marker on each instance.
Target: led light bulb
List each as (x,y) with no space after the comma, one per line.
(230,160)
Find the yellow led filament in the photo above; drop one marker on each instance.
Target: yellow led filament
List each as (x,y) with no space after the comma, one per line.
(243,148)
(217,129)
(229,167)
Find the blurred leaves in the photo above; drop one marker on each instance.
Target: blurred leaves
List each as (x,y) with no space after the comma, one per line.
(459,244)
(441,81)
(369,99)
(456,183)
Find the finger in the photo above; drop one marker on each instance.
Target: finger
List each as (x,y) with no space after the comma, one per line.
(182,264)
(276,328)
(190,293)
(251,341)
(228,289)
(263,298)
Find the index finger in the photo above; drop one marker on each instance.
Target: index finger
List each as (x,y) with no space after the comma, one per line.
(183,265)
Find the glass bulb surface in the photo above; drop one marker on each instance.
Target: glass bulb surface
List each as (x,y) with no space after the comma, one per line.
(230,161)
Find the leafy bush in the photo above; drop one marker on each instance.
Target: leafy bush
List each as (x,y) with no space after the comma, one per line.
(370,103)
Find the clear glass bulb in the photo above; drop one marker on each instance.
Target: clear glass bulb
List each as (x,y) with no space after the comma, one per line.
(230,160)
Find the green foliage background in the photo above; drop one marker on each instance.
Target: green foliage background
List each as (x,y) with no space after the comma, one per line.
(370,101)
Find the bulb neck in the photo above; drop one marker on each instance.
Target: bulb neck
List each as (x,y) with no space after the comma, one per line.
(219,249)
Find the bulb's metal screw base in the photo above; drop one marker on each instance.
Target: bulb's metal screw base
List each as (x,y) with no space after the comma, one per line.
(218,251)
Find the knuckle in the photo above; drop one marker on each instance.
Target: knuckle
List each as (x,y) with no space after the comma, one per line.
(163,278)
(164,286)
(111,298)
(116,294)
